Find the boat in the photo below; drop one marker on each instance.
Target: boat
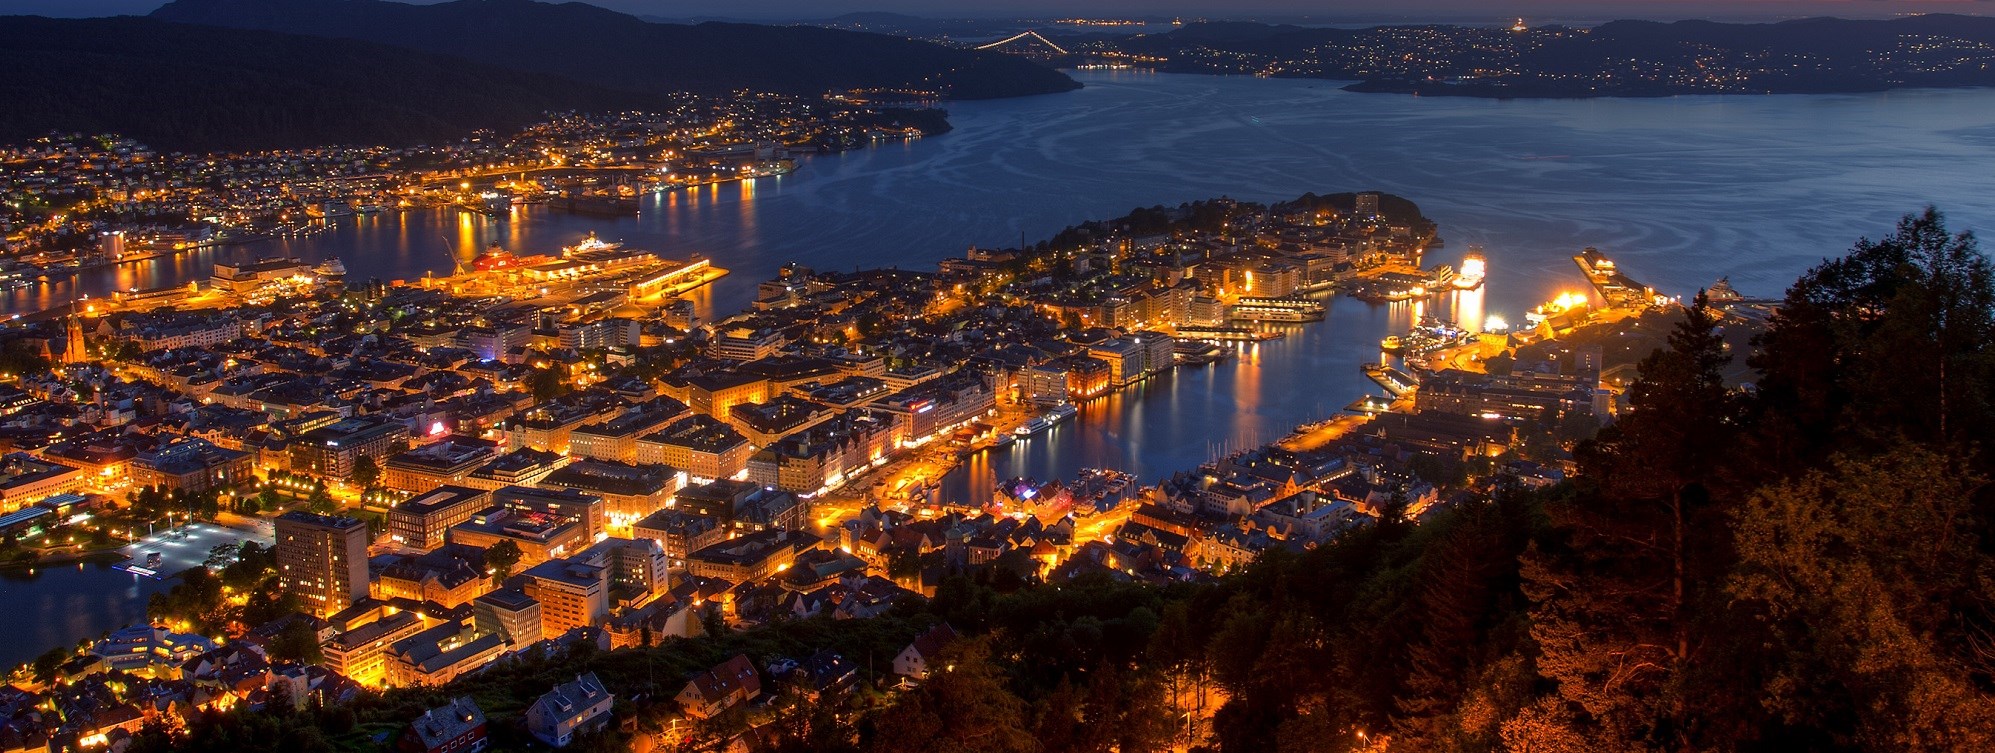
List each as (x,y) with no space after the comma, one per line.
(591,243)
(1473,269)
(1005,440)
(1061,412)
(1034,426)
(1392,344)
(1722,292)
(494,257)
(599,205)
(331,269)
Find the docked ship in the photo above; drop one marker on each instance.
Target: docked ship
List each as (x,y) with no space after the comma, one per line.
(494,257)
(597,205)
(1393,344)
(1062,412)
(772,167)
(1038,424)
(1473,269)
(1722,292)
(1034,426)
(331,269)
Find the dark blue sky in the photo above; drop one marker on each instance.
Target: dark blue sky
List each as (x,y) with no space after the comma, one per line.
(1574,10)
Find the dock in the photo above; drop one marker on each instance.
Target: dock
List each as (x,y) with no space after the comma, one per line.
(1613,286)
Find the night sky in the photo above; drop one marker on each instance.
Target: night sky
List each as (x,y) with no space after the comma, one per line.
(1382,10)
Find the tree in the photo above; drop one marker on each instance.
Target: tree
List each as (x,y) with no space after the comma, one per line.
(500,559)
(963,707)
(1866,573)
(321,501)
(546,384)
(1892,339)
(366,472)
(44,667)
(1614,592)
(297,642)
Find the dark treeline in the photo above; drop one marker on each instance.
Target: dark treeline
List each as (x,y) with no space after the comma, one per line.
(1801,565)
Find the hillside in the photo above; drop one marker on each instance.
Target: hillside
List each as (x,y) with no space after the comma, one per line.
(1622,58)
(621,51)
(194,88)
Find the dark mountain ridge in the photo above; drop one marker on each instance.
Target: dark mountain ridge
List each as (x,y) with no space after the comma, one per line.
(616,50)
(199,88)
(1620,58)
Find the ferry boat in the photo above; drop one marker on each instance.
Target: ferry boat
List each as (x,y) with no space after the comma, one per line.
(1393,344)
(1473,269)
(1038,424)
(332,269)
(1034,426)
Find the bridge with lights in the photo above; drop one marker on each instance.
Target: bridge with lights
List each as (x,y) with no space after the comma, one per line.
(1026,42)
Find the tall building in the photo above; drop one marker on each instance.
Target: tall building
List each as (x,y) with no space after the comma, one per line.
(72,348)
(1367,206)
(322,559)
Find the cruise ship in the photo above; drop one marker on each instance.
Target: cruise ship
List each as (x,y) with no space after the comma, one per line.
(1038,424)
(332,269)
(1473,268)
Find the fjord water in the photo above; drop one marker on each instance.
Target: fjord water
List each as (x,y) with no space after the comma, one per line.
(1679,190)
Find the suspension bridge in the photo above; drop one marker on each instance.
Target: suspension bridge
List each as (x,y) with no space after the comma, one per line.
(1024,39)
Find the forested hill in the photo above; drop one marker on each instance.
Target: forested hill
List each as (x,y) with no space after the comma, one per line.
(197,88)
(612,49)
(1622,58)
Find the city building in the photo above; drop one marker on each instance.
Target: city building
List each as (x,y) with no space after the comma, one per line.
(821,457)
(572,593)
(917,660)
(333,450)
(750,557)
(446,461)
(629,491)
(540,536)
(455,727)
(191,465)
(360,653)
(26,479)
(423,522)
(322,559)
(439,654)
(583,509)
(731,683)
(616,439)
(511,613)
(704,447)
(570,709)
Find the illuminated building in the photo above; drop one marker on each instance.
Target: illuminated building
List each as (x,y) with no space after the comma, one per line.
(424,521)
(333,450)
(322,559)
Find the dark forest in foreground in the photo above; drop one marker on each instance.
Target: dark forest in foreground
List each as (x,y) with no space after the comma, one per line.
(1801,565)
